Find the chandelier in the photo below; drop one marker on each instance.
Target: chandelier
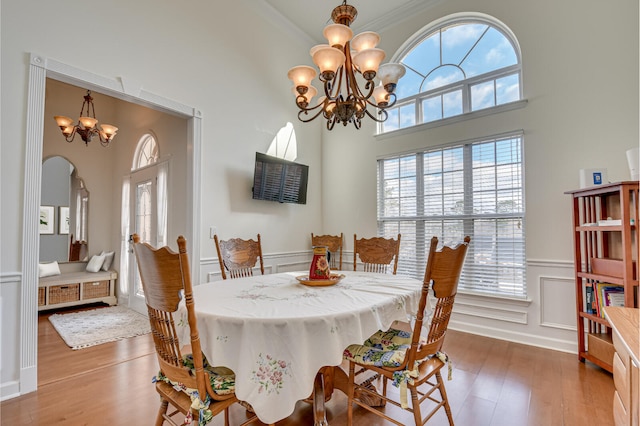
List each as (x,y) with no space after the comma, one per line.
(87,126)
(346,63)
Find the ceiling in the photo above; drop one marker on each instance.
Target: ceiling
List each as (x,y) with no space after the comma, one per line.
(311,16)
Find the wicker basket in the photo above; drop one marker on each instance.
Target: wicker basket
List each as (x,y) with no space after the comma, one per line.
(92,290)
(64,293)
(42,292)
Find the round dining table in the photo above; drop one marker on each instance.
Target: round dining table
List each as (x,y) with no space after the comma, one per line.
(277,333)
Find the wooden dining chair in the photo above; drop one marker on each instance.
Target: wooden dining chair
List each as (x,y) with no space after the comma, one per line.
(166,279)
(334,245)
(238,257)
(407,358)
(376,254)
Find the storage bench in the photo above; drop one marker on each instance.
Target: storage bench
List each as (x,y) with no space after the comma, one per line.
(75,286)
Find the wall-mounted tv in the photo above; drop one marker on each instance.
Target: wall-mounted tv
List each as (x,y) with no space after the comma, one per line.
(275,179)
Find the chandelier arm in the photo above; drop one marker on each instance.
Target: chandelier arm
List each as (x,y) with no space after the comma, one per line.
(334,85)
(393,102)
(331,122)
(72,136)
(382,112)
(389,104)
(93,108)
(369,86)
(306,112)
(103,142)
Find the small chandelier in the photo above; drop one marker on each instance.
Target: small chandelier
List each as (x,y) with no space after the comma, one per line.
(344,101)
(87,126)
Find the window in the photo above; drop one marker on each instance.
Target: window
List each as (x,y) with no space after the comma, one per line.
(146,152)
(461,65)
(473,188)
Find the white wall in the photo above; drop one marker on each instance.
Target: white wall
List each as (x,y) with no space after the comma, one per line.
(581,85)
(236,80)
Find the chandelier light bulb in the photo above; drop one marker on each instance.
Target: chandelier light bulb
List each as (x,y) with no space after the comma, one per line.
(328,60)
(108,130)
(365,40)
(368,61)
(337,34)
(381,95)
(305,101)
(88,122)
(301,76)
(63,121)
(317,47)
(389,74)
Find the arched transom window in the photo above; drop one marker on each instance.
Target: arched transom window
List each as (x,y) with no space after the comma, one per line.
(146,152)
(459,65)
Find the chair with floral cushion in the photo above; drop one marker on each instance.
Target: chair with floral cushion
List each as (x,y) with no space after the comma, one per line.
(334,246)
(186,380)
(377,254)
(238,257)
(407,358)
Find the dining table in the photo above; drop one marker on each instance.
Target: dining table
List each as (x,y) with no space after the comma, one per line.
(278,331)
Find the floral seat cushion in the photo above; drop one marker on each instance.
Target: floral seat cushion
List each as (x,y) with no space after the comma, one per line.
(390,340)
(223,382)
(223,379)
(383,349)
(367,355)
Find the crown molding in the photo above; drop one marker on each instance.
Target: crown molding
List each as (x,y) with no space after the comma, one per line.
(396,16)
(274,16)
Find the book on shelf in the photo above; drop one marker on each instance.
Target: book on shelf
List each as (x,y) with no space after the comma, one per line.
(610,222)
(615,298)
(607,294)
(589,299)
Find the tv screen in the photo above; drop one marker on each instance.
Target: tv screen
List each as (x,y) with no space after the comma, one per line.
(275,179)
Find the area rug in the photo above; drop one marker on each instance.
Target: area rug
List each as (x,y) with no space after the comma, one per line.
(97,326)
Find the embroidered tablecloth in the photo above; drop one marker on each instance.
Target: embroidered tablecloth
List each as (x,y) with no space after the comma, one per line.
(276,333)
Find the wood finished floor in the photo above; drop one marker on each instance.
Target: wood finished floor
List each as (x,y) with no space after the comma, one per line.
(495,383)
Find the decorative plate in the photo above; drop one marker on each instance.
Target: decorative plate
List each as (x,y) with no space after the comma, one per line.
(333,279)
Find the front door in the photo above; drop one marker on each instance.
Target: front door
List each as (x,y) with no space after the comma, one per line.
(144,220)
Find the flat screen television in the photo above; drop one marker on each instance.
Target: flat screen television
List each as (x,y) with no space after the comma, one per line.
(275,179)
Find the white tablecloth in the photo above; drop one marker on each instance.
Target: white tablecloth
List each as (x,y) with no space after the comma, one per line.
(276,333)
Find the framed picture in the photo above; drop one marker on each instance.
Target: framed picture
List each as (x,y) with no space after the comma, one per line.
(63,220)
(47,219)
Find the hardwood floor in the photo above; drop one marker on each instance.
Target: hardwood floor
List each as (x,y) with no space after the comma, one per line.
(495,383)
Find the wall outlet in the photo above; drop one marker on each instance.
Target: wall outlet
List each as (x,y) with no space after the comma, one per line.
(212,231)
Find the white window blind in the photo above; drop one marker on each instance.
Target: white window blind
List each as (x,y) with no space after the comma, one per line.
(474,189)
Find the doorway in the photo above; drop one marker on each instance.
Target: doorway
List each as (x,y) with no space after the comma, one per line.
(41,68)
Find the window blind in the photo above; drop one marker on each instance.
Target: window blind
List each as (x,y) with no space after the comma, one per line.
(473,188)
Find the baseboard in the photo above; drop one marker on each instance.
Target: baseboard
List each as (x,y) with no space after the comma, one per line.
(9,390)
(568,346)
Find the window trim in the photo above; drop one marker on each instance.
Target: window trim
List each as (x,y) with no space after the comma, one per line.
(511,106)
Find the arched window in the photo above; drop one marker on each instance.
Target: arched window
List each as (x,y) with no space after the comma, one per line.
(458,65)
(146,152)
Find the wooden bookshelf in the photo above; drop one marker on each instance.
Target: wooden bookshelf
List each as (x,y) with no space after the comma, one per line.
(605,234)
